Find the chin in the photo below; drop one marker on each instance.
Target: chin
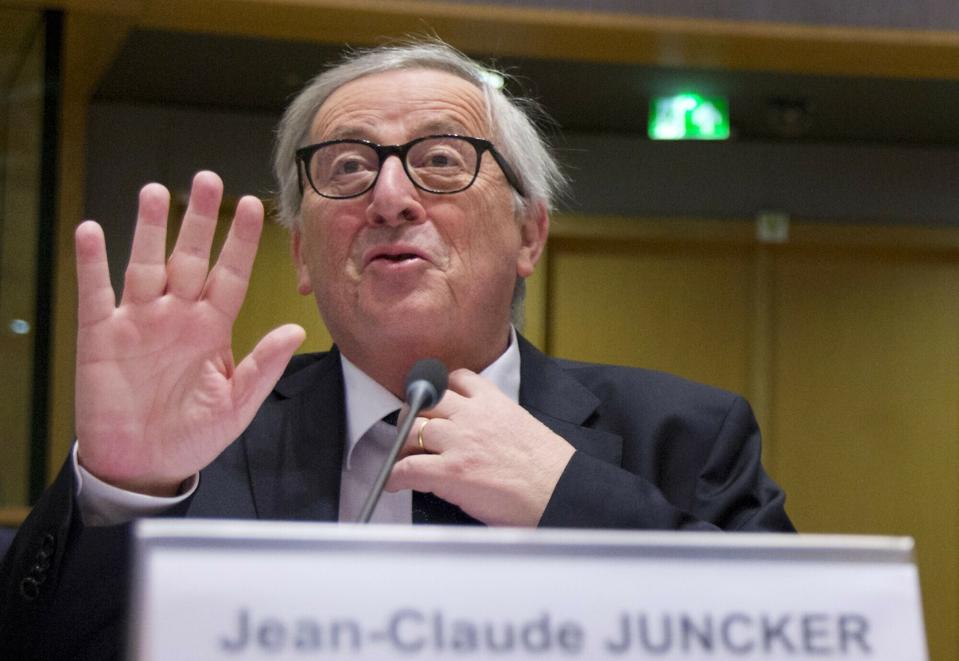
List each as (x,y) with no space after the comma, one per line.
(420,327)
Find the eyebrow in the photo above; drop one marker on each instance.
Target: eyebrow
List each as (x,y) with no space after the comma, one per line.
(347,133)
(441,126)
(434,127)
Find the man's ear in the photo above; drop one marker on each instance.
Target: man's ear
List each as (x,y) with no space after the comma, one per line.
(534,228)
(304,284)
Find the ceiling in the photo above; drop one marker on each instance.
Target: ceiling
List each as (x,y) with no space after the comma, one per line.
(257,75)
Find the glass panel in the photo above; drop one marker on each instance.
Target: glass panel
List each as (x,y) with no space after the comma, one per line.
(21,109)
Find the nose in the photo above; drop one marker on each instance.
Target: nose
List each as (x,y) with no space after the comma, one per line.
(395,200)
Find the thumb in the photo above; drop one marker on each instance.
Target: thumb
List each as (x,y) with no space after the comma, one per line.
(256,375)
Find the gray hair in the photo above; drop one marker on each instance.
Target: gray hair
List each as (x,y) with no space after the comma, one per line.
(512,121)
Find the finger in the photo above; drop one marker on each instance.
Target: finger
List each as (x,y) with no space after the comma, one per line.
(451,403)
(226,287)
(146,272)
(435,434)
(468,383)
(256,375)
(420,472)
(95,296)
(190,260)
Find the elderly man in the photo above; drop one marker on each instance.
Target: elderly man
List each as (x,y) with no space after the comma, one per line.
(417,199)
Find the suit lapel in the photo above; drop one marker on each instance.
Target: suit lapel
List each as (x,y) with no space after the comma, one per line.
(295,453)
(295,447)
(564,405)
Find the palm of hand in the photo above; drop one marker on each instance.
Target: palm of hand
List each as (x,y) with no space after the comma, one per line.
(158,395)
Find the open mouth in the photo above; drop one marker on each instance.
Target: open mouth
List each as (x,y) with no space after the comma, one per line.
(402,257)
(396,254)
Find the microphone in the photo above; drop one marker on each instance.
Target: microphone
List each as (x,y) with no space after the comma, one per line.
(425,384)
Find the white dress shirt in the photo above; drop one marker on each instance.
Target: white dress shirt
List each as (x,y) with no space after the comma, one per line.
(368,440)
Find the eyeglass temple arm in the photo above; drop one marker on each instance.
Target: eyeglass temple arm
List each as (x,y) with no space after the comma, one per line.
(299,175)
(508,171)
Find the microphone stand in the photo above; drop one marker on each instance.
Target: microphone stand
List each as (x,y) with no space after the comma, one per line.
(417,401)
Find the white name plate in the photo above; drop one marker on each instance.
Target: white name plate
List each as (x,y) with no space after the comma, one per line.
(265,590)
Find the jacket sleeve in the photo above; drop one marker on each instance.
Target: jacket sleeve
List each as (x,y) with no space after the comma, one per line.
(727,487)
(63,586)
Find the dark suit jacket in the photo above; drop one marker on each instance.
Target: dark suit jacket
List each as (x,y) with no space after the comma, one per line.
(653,452)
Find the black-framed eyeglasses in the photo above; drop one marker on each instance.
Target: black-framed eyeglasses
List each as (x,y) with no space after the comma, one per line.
(443,164)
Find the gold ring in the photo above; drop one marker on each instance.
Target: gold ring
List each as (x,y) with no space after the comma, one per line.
(419,435)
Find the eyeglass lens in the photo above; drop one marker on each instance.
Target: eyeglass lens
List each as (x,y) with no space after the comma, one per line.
(441,165)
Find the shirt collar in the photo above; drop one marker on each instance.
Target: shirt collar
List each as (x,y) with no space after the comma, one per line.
(367,401)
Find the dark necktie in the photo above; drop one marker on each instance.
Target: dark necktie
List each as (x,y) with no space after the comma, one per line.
(428,508)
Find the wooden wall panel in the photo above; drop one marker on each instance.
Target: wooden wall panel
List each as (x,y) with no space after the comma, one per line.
(866,402)
(848,336)
(680,309)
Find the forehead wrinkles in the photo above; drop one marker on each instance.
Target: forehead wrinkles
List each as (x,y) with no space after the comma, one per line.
(411,100)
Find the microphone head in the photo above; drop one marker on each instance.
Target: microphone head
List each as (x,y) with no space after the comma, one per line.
(429,375)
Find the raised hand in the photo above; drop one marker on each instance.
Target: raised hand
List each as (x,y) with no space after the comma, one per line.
(158,394)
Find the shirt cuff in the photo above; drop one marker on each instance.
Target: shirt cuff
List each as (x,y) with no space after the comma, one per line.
(103,504)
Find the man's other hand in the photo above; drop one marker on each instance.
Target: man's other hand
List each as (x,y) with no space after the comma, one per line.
(485,453)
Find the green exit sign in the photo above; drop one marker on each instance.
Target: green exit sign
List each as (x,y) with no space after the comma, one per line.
(689,117)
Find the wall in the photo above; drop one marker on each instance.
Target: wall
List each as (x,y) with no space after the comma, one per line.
(612,174)
(852,183)
(845,339)
(21,110)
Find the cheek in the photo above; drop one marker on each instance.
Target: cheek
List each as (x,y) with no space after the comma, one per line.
(330,234)
(494,230)
(488,220)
